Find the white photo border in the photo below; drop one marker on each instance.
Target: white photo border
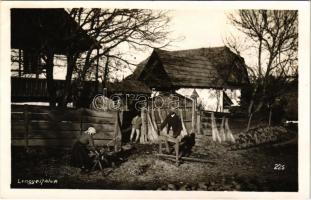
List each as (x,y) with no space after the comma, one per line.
(303,8)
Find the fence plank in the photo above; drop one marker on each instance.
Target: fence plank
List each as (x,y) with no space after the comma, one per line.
(93,113)
(45,125)
(60,127)
(104,135)
(18,132)
(98,120)
(52,134)
(99,127)
(17,116)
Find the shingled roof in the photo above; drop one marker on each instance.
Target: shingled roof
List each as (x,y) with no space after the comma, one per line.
(216,67)
(129,86)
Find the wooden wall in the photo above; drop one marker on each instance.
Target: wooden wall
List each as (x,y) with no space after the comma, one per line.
(40,126)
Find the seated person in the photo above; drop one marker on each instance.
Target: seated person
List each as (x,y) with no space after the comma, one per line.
(80,153)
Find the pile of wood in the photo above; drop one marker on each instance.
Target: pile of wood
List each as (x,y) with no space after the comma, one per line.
(223,134)
(261,135)
(150,126)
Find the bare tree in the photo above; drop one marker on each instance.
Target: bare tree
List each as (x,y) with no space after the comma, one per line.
(112,28)
(115,29)
(273,34)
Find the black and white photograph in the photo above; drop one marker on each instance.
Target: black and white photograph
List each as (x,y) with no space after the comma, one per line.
(154,98)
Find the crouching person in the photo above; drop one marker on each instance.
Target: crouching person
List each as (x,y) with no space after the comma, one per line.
(80,153)
(187,143)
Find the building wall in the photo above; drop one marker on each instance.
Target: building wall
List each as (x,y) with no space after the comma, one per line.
(212,99)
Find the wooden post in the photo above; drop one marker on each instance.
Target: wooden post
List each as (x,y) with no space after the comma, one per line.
(184,132)
(177,152)
(194,97)
(26,120)
(143,126)
(222,129)
(193,116)
(198,122)
(116,131)
(153,120)
(164,130)
(228,131)
(121,118)
(215,133)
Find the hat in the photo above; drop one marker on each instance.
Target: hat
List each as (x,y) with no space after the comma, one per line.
(91,130)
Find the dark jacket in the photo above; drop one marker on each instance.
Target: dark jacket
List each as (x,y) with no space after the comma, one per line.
(174,122)
(86,139)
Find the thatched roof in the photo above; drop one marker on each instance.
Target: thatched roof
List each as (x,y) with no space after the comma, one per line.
(138,70)
(129,87)
(216,67)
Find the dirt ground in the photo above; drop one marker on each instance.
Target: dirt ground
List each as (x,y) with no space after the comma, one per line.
(263,168)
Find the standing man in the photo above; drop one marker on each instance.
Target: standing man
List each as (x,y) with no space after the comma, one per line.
(173,122)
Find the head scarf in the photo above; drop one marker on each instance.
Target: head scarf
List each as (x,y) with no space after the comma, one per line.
(91,131)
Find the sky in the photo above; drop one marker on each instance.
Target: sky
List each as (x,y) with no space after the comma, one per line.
(198,28)
(201,28)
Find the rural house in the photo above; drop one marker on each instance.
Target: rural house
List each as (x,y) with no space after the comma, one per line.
(211,72)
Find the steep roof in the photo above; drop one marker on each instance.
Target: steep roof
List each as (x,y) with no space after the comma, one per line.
(138,70)
(215,67)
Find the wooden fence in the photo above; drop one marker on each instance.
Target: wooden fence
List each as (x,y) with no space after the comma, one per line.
(41,126)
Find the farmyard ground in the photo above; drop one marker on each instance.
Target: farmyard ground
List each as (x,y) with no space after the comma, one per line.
(250,169)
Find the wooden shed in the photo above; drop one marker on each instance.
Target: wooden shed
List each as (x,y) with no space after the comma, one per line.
(37,35)
(36,28)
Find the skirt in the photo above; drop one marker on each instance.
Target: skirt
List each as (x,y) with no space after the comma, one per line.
(80,157)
